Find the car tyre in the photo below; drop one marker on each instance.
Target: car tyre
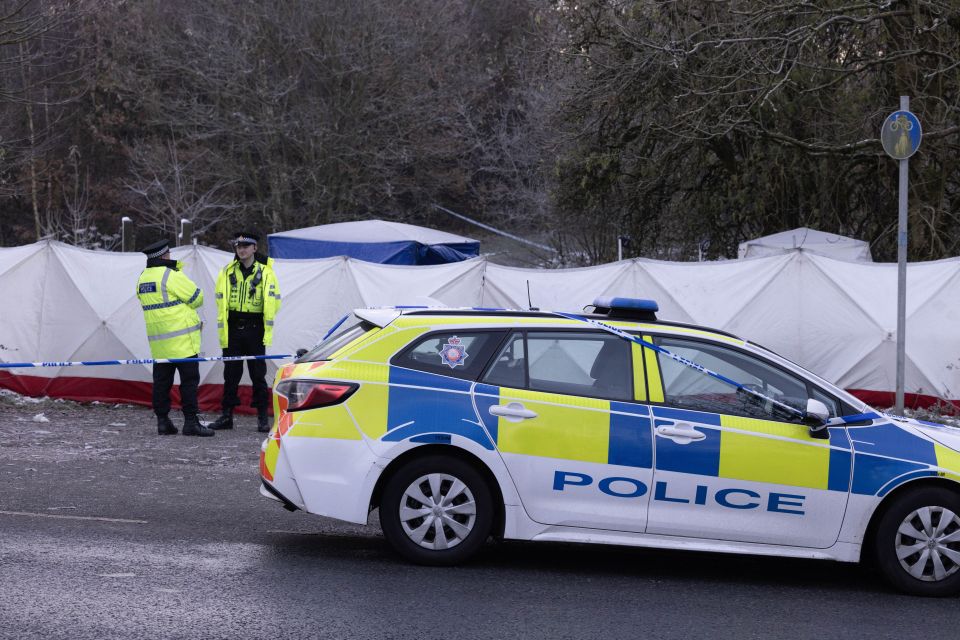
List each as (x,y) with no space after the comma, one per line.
(917,542)
(436,510)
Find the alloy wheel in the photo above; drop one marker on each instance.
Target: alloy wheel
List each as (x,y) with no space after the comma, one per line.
(928,543)
(438,511)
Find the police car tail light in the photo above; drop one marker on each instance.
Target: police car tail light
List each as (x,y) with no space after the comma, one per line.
(312,394)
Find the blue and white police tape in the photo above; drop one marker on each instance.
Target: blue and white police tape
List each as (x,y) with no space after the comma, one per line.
(832,422)
(693,365)
(100,363)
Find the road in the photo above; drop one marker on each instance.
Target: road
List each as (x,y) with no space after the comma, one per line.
(109,531)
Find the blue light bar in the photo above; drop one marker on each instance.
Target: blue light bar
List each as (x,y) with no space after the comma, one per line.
(631,304)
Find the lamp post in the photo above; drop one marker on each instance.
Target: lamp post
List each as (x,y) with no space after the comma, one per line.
(186,232)
(127,237)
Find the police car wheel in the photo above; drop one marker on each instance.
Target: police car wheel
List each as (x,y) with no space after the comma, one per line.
(917,543)
(436,510)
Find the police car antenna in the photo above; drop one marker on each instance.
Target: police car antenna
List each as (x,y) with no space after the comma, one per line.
(529,302)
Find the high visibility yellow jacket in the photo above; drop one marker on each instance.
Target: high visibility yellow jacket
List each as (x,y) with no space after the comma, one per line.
(259,292)
(169,299)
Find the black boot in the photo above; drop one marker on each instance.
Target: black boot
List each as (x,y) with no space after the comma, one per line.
(192,427)
(165,426)
(263,422)
(225,421)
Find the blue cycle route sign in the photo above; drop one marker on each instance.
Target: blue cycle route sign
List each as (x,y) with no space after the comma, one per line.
(901,135)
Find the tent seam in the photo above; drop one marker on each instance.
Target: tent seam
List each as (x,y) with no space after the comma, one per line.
(854,301)
(762,288)
(934,293)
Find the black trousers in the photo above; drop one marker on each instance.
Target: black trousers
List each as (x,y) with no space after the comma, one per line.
(245,338)
(163,381)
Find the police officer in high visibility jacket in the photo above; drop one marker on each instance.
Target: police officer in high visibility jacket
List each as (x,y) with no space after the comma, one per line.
(248,299)
(169,300)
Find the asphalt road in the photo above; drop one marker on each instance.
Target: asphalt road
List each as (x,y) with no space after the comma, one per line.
(109,531)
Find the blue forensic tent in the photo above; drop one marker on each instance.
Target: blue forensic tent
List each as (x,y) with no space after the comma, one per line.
(374,241)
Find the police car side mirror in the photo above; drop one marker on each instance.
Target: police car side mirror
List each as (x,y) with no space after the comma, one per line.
(301,353)
(816,418)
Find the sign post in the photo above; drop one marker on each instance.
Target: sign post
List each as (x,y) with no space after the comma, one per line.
(900,136)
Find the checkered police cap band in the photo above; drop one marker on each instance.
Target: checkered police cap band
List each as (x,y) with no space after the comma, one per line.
(156,253)
(244,240)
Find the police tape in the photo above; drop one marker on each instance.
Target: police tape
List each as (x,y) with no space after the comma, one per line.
(832,422)
(100,363)
(689,363)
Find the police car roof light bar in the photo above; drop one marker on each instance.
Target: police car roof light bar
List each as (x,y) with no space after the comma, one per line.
(632,308)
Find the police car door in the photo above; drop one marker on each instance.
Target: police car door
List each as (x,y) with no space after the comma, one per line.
(565,409)
(730,467)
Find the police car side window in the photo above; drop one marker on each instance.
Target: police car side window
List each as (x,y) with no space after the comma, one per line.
(509,368)
(688,388)
(460,354)
(572,363)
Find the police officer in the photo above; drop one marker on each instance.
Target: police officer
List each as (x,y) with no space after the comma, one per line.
(248,299)
(169,300)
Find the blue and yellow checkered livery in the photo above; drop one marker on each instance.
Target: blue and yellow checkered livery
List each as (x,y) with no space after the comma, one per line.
(395,404)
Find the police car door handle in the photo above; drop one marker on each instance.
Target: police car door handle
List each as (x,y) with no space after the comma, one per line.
(514,412)
(680,433)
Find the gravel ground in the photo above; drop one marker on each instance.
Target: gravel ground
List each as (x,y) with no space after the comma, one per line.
(61,430)
(106,460)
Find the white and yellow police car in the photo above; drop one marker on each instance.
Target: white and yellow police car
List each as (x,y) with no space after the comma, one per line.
(605,427)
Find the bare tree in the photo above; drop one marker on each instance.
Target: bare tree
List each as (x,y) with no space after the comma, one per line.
(21,22)
(294,113)
(39,68)
(327,111)
(168,188)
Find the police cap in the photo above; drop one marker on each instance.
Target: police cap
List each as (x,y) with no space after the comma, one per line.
(156,249)
(245,237)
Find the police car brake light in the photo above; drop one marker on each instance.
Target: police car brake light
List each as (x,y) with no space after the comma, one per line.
(632,308)
(313,394)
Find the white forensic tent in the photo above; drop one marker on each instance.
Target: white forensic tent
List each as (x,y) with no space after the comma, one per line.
(80,305)
(835,317)
(828,244)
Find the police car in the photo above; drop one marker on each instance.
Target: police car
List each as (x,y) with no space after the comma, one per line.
(605,427)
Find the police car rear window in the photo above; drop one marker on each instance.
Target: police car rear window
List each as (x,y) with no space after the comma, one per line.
(339,339)
(592,364)
(460,354)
